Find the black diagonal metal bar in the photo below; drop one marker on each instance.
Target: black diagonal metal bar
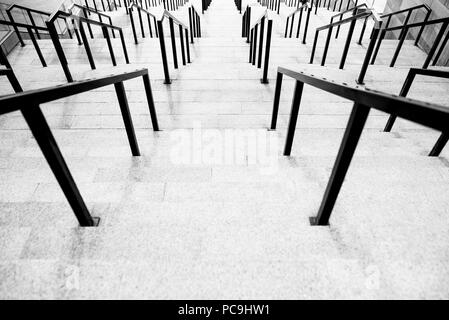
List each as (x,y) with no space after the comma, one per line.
(47,143)
(440,144)
(126,115)
(277,97)
(293,117)
(348,146)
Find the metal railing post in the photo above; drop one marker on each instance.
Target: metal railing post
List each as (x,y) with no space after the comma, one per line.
(133,26)
(264,79)
(435,45)
(306,26)
(191,24)
(108,41)
(86,46)
(248,24)
(125,50)
(293,117)
(347,44)
(36,46)
(181,37)
(127,120)
(139,12)
(47,143)
(253,61)
(353,131)
(362,33)
(16,30)
(418,37)
(277,97)
(187,45)
(4,59)
(440,144)
(59,50)
(399,47)
(173,43)
(291,25)
(326,46)
(163,52)
(312,55)
(404,91)
(369,52)
(150,100)
(262,29)
(440,51)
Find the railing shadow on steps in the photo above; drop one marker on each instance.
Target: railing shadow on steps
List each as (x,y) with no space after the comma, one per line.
(256,45)
(29,102)
(430,115)
(443,139)
(82,39)
(195,31)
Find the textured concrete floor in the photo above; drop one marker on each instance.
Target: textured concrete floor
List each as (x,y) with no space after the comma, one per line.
(201,215)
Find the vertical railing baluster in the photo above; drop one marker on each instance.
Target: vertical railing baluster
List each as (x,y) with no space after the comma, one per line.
(163,52)
(262,29)
(173,42)
(277,97)
(181,37)
(264,79)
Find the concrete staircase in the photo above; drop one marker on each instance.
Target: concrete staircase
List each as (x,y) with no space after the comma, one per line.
(203,216)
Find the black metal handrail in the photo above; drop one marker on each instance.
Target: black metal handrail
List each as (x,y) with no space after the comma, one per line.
(30,11)
(173,5)
(150,16)
(273,5)
(238,4)
(336,7)
(429,115)
(255,53)
(352,20)
(87,12)
(30,29)
(205,5)
(83,40)
(443,139)
(110,6)
(29,102)
(172,20)
(404,31)
(301,6)
(291,16)
(194,23)
(405,22)
(353,11)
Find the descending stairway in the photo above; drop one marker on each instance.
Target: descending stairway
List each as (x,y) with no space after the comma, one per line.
(201,214)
